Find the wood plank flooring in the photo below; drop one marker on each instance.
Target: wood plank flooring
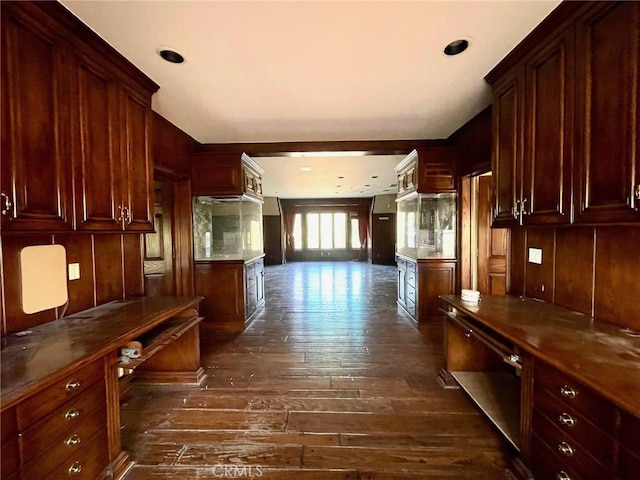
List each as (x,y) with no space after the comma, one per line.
(330,381)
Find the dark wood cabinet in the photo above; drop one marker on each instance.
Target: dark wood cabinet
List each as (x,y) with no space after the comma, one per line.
(223,175)
(546,182)
(507,148)
(565,120)
(36,180)
(76,127)
(607,150)
(427,170)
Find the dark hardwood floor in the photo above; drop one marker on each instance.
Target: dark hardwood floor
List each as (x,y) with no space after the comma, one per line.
(330,381)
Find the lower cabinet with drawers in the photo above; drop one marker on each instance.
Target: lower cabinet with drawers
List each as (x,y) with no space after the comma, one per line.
(562,388)
(60,396)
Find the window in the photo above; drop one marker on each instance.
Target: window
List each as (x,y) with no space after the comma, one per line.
(325,231)
(355,233)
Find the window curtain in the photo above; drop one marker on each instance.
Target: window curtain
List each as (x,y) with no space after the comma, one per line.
(288,219)
(363,230)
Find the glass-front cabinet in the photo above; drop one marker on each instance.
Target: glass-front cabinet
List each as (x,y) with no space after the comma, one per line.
(426,225)
(227,228)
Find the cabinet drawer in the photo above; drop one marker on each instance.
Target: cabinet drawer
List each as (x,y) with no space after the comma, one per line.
(48,399)
(411,278)
(402,264)
(9,457)
(411,267)
(584,400)
(72,444)
(567,451)
(629,464)
(411,294)
(545,464)
(575,426)
(86,463)
(630,431)
(62,422)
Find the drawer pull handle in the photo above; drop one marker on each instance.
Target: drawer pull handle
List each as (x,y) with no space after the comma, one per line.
(566,449)
(568,392)
(75,469)
(72,385)
(562,476)
(566,419)
(73,440)
(71,414)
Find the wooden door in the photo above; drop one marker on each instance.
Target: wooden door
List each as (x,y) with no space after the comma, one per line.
(492,245)
(607,151)
(549,87)
(136,165)
(508,116)
(96,155)
(383,238)
(159,275)
(36,173)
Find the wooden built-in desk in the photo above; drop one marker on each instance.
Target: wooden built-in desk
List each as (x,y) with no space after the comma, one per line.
(60,390)
(563,388)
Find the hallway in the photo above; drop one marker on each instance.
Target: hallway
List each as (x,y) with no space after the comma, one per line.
(330,381)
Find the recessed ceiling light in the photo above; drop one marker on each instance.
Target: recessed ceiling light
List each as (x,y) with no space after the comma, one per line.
(171,56)
(341,178)
(374,176)
(456,47)
(367,185)
(305,168)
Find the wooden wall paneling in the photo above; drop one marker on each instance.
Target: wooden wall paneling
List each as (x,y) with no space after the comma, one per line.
(517,261)
(15,319)
(608,152)
(108,265)
(132,262)
(35,125)
(183,237)
(171,146)
(575,269)
(539,279)
(465,235)
(79,250)
(473,143)
(158,251)
(617,289)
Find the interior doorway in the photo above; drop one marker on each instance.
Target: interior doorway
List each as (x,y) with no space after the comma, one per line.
(484,250)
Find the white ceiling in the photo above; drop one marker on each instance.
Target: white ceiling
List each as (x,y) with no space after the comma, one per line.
(276,71)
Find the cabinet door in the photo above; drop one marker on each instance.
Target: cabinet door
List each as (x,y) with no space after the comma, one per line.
(434,279)
(136,155)
(607,155)
(96,155)
(507,149)
(36,177)
(547,163)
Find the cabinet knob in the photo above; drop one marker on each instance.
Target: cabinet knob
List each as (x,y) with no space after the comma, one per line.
(73,440)
(72,385)
(566,419)
(6,207)
(562,475)
(72,413)
(566,449)
(568,392)
(75,469)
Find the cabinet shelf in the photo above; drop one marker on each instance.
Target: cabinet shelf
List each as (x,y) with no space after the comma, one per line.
(159,337)
(498,396)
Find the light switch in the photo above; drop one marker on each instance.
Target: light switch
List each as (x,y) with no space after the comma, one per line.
(74,271)
(535,255)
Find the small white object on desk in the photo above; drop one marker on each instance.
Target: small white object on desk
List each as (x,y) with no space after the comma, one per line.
(470,296)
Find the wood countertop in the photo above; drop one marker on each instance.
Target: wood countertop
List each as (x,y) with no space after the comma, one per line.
(52,350)
(603,356)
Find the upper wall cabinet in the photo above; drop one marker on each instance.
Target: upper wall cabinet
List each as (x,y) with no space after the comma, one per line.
(76,146)
(427,170)
(226,175)
(565,107)
(36,181)
(607,149)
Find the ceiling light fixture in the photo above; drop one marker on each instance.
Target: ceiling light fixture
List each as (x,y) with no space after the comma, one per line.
(171,56)
(327,154)
(456,47)
(305,168)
